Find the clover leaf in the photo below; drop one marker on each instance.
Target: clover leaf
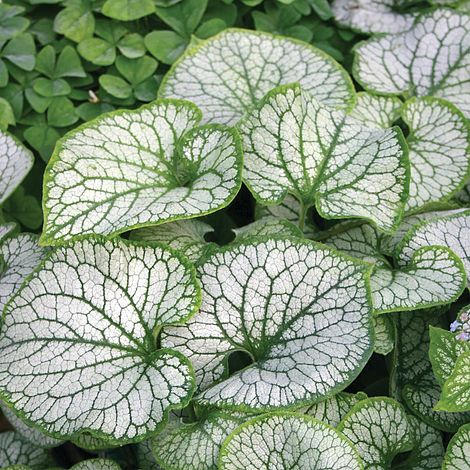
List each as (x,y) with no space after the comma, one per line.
(129,169)
(90,360)
(15,163)
(431,59)
(346,170)
(227,74)
(299,310)
(287,440)
(456,456)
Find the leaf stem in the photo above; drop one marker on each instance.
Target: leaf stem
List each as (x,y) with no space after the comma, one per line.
(302,215)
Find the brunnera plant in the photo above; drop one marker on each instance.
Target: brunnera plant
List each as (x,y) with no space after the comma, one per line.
(259,265)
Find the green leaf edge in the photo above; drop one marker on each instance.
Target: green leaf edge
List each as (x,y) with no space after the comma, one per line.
(405,163)
(98,434)
(28,154)
(356,60)
(450,445)
(250,241)
(361,404)
(48,238)
(194,50)
(457,262)
(454,110)
(285,414)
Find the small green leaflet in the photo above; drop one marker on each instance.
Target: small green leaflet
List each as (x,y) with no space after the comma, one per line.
(444,350)
(451,230)
(281,441)
(129,169)
(379,430)
(89,360)
(194,446)
(325,158)
(384,334)
(15,450)
(434,275)
(455,395)
(90,443)
(15,162)
(96,464)
(20,255)
(227,74)
(376,111)
(432,58)
(412,378)
(332,410)
(32,435)
(267,226)
(428,450)
(298,309)
(186,236)
(457,456)
(438,142)
(371,16)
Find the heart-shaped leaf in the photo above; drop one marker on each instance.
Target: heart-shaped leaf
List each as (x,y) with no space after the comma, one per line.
(432,58)
(15,162)
(287,440)
(323,157)
(128,169)
(428,450)
(433,276)
(299,310)
(186,236)
(379,430)
(227,74)
(372,16)
(20,256)
(15,450)
(332,410)
(376,111)
(457,456)
(451,230)
(194,446)
(438,142)
(412,378)
(90,359)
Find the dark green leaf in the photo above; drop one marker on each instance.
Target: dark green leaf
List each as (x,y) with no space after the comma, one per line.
(50,88)
(69,64)
(183,17)
(21,51)
(97,51)
(166,46)
(42,139)
(76,21)
(136,71)
(61,113)
(128,10)
(115,86)
(132,46)
(7,117)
